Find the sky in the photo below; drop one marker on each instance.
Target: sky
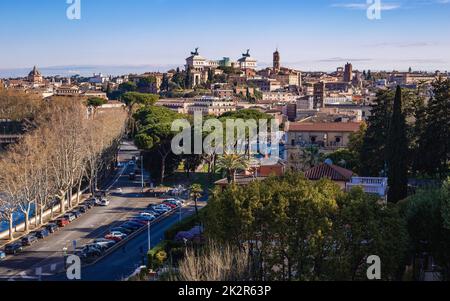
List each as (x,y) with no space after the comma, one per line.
(118,36)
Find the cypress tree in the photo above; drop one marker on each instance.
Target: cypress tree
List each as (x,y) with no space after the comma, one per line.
(372,152)
(396,151)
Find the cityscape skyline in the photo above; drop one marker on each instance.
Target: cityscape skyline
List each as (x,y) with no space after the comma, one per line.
(305,32)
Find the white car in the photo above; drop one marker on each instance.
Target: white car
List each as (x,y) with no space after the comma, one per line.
(163,207)
(146,218)
(103,203)
(146,214)
(116,234)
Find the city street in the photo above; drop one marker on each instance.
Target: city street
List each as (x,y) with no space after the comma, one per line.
(45,258)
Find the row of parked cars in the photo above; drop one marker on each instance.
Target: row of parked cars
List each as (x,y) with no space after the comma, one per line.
(52,227)
(119,233)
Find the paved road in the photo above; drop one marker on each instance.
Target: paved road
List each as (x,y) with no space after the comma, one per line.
(46,256)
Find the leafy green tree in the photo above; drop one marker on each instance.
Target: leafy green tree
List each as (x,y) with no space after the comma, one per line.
(165,83)
(128,87)
(435,139)
(345,158)
(96,102)
(155,132)
(428,219)
(145,84)
(307,230)
(364,227)
(396,152)
(132,98)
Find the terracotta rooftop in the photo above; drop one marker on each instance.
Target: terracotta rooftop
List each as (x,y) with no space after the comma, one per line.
(329,171)
(324,127)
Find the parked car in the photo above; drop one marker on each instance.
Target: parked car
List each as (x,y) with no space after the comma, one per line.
(153,212)
(41,233)
(77,213)
(174,202)
(165,207)
(52,227)
(131,226)
(62,222)
(90,203)
(144,218)
(162,208)
(29,240)
(147,214)
(122,230)
(116,236)
(82,208)
(173,206)
(139,220)
(70,217)
(2,255)
(105,242)
(101,247)
(13,249)
(161,211)
(90,253)
(103,202)
(89,247)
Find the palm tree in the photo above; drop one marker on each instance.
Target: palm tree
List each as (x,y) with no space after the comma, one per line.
(310,156)
(231,164)
(196,193)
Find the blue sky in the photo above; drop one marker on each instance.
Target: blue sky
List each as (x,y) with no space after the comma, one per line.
(311,34)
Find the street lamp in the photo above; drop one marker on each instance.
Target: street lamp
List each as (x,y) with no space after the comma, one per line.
(142,173)
(65,257)
(149,235)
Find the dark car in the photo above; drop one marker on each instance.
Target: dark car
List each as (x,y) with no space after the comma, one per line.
(77,213)
(131,226)
(52,227)
(42,233)
(83,208)
(122,230)
(13,249)
(155,213)
(29,240)
(132,176)
(89,253)
(90,203)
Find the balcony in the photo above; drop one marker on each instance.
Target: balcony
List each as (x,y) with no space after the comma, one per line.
(377,186)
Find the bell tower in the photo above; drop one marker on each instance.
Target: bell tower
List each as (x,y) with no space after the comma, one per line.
(276,61)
